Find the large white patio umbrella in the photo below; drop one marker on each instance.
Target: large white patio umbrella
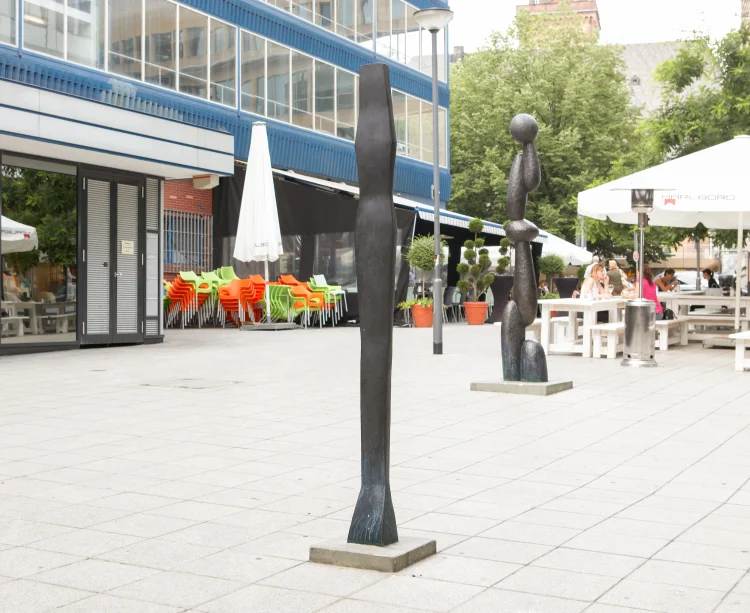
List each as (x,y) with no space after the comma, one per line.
(570,253)
(711,187)
(17,237)
(258,233)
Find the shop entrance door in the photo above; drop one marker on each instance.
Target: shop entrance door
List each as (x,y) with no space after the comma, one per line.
(113,259)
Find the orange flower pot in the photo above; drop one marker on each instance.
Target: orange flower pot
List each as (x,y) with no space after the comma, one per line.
(476,313)
(422,316)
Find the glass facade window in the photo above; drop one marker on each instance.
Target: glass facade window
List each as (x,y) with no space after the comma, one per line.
(426,132)
(399,120)
(365,14)
(39,277)
(325,100)
(161,28)
(44,26)
(193,53)
(223,63)
(282,4)
(443,127)
(302,90)
(86,32)
(346,19)
(253,98)
(414,128)
(325,15)
(278,82)
(346,104)
(398,31)
(412,42)
(383,40)
(303,9)
(8,25)
(125,23)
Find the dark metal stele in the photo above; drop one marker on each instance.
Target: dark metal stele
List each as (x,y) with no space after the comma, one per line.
(374,521)
(523,360)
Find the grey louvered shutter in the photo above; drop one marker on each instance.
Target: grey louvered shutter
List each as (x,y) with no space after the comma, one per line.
(98,271)
(127,262)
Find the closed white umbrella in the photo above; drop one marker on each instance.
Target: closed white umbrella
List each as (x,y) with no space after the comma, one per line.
(17,237)
(570,253)
(258,232)
(711,187)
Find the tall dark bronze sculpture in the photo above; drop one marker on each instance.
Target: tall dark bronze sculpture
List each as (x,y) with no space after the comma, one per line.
(523,360)
(374,521)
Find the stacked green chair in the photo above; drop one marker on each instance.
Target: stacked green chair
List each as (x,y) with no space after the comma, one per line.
(333,293)
(200,309)
(226,273)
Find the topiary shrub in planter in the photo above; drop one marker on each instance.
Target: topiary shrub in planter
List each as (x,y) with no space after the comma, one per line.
(550,266)
(421,255)
(475,276)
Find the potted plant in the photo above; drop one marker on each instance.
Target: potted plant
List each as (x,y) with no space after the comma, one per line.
(421,255)
(475,278)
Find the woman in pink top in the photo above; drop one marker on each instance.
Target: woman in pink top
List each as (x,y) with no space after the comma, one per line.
(649,290)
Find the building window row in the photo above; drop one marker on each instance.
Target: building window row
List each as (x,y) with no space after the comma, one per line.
(168,45)
(387,27)
(283,84)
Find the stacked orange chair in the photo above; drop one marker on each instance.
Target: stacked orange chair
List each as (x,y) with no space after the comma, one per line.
(230,303)
(182,297)
(315,302)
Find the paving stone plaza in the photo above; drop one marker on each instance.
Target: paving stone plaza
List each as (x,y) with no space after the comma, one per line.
(193,476)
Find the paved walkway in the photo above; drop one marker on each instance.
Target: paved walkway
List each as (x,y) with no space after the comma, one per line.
(193,476)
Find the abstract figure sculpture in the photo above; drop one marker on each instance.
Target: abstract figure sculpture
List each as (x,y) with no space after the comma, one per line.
(374,521)
(523,360)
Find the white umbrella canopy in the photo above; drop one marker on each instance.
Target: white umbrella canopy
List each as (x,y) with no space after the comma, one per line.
(258,232)
(711,187)
(570,253)
(17,237)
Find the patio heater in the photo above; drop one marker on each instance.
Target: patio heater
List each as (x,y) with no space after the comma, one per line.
(640,315)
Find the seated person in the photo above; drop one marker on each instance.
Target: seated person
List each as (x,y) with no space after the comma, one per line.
(597,285)
(649,290)
(708,275)
(668,282)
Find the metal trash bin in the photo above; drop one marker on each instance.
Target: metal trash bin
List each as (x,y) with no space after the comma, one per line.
(640,334)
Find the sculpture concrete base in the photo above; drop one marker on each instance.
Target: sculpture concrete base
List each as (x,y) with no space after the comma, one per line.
(388,559)
(250,327)
(523,388)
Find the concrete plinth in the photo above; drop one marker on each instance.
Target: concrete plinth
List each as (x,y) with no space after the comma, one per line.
(523,388)
(389,559)
(248,327)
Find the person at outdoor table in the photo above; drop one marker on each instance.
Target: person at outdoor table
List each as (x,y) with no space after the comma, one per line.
(590,267)
(597,285)
(666,283)
(649,291)
(543,289)
(616,278)
(708,275)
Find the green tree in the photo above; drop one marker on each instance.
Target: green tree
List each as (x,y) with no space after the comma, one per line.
(550,265)
(576,89)
(46,201)
(705,101)
(421,255)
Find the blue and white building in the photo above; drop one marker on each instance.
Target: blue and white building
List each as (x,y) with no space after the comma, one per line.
(110,98)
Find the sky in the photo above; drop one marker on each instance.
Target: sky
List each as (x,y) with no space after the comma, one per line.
(623,21)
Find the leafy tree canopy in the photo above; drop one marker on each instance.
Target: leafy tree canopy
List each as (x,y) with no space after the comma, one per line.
(547,66)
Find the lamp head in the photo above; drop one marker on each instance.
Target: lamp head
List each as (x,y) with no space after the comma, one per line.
(433,20)
(642,201)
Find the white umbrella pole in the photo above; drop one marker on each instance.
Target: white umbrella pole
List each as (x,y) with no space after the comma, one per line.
(265,293)
(738,289)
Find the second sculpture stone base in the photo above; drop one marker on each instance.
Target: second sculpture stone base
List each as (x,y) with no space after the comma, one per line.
(388,559)
(523,388)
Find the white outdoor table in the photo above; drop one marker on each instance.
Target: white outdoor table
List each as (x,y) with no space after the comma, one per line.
(590,309)
(680,302)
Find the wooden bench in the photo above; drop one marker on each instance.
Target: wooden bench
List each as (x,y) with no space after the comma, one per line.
(664,327)
(610,333)
(701,322)
(742,340)
(13,325)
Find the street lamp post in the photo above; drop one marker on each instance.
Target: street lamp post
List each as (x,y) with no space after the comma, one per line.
(434,20)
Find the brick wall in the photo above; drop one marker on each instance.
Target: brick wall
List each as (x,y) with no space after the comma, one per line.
(181,196)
